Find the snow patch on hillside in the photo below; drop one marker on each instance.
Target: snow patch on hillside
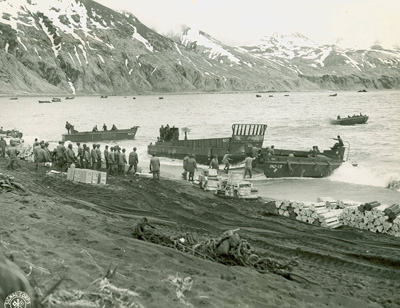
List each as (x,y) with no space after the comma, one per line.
(101,58)
(140,38)
(23,45)
(214,47)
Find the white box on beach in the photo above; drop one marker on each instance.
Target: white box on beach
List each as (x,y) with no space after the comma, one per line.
(95,177)
(234,177)
(103,178)
(70,174)
(78,175)
(87,176)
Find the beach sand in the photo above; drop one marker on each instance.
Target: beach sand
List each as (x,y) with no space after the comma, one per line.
(74,230)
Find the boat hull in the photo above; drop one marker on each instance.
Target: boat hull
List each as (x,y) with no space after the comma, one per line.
(300,168)
(121,134)
(244,138)
(351,121)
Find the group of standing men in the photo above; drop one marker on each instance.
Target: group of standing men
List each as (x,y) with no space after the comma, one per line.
(168,133)
(87,158)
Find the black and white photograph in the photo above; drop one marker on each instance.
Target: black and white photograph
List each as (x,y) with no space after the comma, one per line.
(199,153)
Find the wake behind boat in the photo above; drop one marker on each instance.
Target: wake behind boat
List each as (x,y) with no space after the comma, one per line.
(350,120)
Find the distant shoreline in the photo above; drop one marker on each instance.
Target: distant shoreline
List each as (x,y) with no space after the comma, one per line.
(188,93)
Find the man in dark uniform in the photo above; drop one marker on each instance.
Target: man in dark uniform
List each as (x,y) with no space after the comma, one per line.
(133,161)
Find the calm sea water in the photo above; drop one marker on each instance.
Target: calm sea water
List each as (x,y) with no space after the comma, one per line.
(297,121)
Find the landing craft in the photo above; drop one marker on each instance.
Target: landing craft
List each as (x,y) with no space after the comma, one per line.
(247,139)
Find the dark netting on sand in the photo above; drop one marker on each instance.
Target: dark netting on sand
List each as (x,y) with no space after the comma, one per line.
(228,249)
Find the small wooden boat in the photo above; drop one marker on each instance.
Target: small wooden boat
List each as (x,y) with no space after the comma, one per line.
(13,98)
(103,96)
(119,134)
(362,91)
(133,97)
(44,102)
(333,94)
(271,96)
(161,97)
(70,97)
(286,94)
(359,119)
(56,99)
(258,95)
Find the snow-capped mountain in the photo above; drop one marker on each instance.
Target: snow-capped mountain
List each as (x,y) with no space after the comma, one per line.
(83,47)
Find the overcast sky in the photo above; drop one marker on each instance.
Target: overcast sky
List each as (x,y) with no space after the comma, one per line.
(235,22)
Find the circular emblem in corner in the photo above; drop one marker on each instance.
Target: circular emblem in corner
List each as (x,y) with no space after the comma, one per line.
(17,299)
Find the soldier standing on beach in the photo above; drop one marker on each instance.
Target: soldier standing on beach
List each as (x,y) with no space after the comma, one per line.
(155,167)
(98,157)
(12,153)
(61,154)
(192,166)
(226,160)
(70,155)
(185,166)
(106,156)
(86,157)
(3,145)
(214,163)
(47,152)
(248,165)
(93,156)
(122,162)
(133,161)
(111,161)
(79,158)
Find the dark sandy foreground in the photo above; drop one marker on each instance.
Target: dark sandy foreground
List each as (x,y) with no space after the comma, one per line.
(75,230)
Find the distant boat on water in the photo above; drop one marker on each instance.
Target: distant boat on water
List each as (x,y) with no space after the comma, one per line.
(56,99)
(161,97)
(119,134)
(13,98)
(286,94)
(133,97)
(70,97)
(333,94)
(103,96)
(356,119)
(44,102)
(258,95)
(363,90)
(271,96)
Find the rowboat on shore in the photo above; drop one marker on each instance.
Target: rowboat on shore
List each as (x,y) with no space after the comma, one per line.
(333,94)
(103,96)
(13,98)
(44,102)
(56,99)
(70,97)
(359,119)
(120,134)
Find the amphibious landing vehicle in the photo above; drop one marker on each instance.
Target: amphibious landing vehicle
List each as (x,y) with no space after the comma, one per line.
(294,163)
(244,138)
(247,139)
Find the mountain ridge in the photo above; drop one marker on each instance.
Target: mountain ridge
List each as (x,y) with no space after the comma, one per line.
(83,47)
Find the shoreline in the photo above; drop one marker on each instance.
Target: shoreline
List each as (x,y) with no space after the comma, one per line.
(190,93)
